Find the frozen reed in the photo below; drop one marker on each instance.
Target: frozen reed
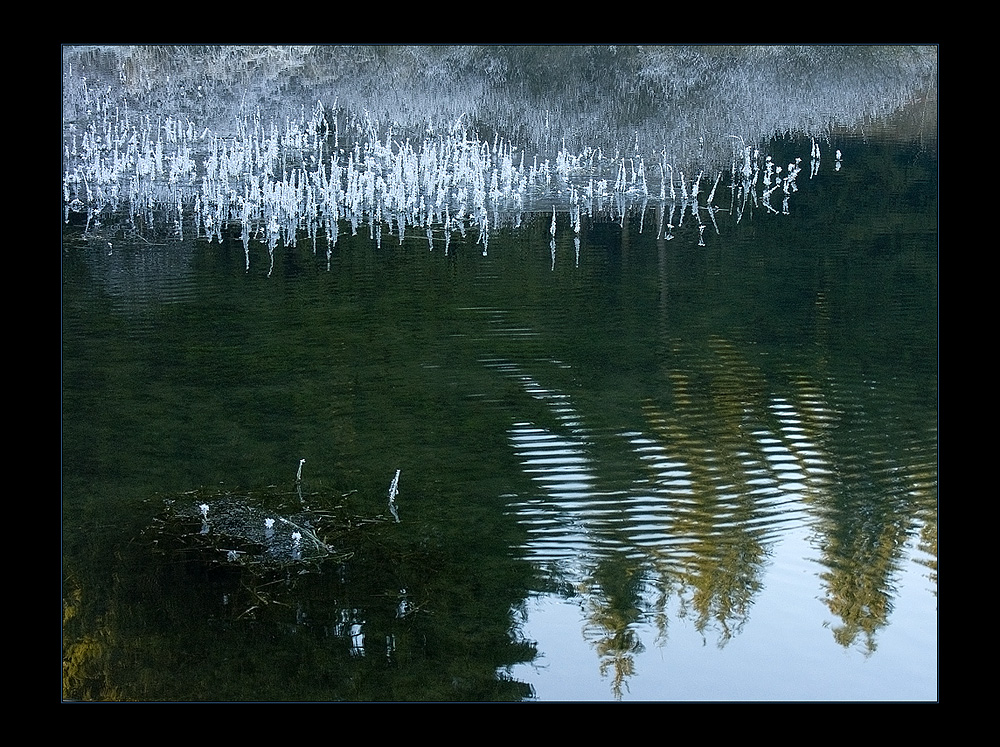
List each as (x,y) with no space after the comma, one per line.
(305,176)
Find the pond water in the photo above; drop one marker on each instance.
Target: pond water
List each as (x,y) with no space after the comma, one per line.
(596,445)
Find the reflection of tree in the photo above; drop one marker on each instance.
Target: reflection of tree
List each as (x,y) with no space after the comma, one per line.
(927,515)
(862,554)
(615,601)
(867,515)
(85,654)
(717,512)
(928,543)
(723,584)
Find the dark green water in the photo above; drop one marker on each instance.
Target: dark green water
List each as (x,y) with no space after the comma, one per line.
(630,468)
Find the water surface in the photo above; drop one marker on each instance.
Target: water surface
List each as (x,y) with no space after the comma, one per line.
(641,458)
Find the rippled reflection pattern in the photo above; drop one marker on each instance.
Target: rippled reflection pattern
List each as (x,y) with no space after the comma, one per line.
(721,473)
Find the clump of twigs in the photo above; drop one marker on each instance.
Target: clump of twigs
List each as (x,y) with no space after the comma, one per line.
(267,538)
(264,532)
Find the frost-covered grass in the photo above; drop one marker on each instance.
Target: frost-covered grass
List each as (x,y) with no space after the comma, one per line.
(281,181)
(309,168)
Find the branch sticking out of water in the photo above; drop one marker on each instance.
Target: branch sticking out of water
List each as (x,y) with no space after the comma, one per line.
(393,492)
